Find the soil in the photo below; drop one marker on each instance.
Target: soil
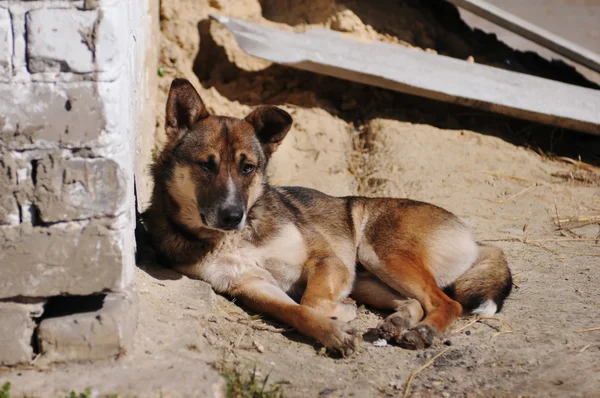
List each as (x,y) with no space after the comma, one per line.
(530,189)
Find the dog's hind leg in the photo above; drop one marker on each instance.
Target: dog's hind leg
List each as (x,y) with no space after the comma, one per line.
(406,272)
(371,291)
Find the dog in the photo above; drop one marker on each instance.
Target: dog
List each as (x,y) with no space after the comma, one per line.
(299,255)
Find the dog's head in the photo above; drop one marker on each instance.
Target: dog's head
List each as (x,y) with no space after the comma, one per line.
(213,167)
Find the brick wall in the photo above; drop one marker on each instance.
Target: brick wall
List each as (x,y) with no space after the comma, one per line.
(73,78)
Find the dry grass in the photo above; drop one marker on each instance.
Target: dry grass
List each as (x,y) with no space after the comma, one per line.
(575,222)
(588,330)
(534,185)
(537,243)
(427,364)
(504,327)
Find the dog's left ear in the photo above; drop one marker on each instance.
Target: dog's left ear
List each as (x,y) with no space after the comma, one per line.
(271,125)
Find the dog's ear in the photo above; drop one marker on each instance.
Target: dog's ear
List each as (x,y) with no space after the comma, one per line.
(271,125)
(184,108)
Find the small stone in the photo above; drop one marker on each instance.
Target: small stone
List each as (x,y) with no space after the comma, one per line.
(396,384)
(448,343)
(468,332)
(327,391)
(258,347)
(445,394)
(380,343)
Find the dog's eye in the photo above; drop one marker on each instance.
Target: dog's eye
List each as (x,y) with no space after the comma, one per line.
(207,166)
(247,168)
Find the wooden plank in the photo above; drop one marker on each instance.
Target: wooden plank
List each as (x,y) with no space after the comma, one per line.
(428,75)
(531,32)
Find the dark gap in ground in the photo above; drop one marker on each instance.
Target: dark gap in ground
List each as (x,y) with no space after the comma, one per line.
(35,345)
(35,215)
(358,103)
(58,306)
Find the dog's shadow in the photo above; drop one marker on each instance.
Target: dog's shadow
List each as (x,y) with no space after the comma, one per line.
(146,258)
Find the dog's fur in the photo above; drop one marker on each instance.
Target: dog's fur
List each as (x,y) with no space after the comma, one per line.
(297,254)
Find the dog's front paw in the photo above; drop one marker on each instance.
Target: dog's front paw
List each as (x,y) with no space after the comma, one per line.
(341,338)
(346,311)
(419,337)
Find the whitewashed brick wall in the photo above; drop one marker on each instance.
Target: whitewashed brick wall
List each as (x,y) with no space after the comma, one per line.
(71,93)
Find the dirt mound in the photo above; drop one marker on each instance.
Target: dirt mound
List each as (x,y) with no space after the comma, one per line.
(206,53)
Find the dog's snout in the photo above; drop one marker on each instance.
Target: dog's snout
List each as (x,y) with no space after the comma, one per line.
(230,217)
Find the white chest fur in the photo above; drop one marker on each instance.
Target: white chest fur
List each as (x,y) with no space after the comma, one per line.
(281,258)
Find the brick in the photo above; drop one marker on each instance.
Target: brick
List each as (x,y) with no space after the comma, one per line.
(61,40)
(46,116)
(67,258)
(6,44)
(100,334)
(78,189)
(9,210)
(16,330)
(71,40)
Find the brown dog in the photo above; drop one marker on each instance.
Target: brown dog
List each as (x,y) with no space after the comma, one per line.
(297,254)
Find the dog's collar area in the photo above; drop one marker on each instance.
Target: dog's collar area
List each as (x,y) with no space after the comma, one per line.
(184,231)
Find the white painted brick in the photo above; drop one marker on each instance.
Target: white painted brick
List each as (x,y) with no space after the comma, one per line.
(46,116)
(79,188)
(104,333)
(6,44)
(74,73)
(16,330)
(77,41)
(9,210)
(61,40)
(77,258)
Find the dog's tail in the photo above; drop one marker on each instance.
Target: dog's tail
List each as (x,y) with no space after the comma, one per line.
(483,288)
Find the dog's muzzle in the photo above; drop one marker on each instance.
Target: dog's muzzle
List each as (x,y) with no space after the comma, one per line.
(230,218)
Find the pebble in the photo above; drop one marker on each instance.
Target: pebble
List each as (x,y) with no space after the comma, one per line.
(380,343)
(468,332)
(258,347)
(448,343)
(327,391)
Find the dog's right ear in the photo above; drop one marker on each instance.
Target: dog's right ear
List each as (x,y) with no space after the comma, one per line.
(184,108)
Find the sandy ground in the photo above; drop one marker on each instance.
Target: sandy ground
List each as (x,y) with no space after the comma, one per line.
(507,178)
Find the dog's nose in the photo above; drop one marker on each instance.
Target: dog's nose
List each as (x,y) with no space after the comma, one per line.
(230,217)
